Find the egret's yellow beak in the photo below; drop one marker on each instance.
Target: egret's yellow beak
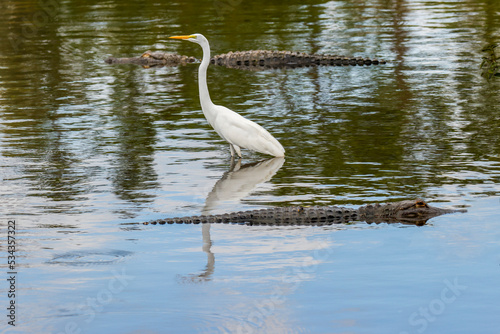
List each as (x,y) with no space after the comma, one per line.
(183,37)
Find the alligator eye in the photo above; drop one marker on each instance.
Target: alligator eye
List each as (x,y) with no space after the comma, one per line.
(420,204)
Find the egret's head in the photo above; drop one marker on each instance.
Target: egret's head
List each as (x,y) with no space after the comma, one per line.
(195,38)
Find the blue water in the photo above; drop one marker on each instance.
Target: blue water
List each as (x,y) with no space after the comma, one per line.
(365,278)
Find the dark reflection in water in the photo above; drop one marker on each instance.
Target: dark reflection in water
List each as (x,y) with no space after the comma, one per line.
(135,132)
(79,127)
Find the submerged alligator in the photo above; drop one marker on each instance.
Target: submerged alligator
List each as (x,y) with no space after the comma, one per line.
(415,212)
(250,60)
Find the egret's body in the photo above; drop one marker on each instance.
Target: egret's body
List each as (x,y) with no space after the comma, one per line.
(238,131)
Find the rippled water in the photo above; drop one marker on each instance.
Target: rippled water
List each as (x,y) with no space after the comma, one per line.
(89,149)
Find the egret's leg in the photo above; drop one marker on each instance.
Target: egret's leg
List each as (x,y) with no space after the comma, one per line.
(232,149)
(237,150)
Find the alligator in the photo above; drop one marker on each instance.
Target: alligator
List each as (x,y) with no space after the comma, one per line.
(416,212)
(277,59)
(249,60)
(150,59)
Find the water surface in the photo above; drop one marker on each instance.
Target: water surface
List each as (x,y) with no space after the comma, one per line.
(88,149)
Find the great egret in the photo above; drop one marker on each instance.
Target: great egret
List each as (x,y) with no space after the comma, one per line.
(238,131)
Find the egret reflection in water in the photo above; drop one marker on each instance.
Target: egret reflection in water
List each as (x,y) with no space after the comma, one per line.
(235,184)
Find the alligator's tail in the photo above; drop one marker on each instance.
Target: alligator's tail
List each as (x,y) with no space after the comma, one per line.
(296,215)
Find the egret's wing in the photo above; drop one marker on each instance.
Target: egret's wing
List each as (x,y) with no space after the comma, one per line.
(244,133)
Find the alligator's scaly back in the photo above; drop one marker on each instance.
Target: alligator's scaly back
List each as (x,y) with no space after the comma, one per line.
(254,60)
(277,59)
(408,212)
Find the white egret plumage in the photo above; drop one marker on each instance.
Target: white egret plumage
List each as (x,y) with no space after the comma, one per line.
(238,131)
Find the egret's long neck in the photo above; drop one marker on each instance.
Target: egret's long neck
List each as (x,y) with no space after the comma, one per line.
(205,101)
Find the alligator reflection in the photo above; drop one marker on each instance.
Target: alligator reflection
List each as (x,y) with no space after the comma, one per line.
(234,185)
